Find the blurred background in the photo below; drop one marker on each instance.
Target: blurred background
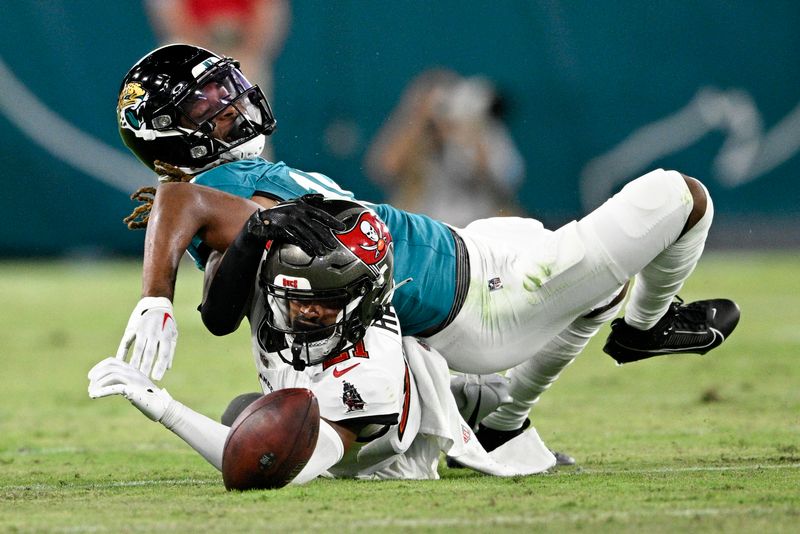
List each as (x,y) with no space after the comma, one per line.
(537,107)
(457,108)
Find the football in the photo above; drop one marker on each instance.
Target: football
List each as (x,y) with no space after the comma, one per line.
(271,440)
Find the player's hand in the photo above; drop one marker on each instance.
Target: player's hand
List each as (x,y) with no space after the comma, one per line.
(152,326)
(299,221)
(115,377)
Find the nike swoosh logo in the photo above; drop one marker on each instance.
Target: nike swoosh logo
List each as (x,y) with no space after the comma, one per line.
(717,335)
(166,318)
(337,373)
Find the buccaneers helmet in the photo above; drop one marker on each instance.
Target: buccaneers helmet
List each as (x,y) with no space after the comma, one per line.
(189,107)
(319,306)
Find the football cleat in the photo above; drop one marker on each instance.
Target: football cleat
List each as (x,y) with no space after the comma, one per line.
(491,438)
(563,458)
(693,328)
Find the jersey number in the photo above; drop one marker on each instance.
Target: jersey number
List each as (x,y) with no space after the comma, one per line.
(357,351)
(320,183)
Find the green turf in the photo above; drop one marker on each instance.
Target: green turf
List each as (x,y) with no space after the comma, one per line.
(687,443)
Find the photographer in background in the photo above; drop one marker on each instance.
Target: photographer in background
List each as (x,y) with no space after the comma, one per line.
(445,151)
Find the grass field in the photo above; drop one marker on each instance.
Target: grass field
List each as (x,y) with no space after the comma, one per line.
(686,443)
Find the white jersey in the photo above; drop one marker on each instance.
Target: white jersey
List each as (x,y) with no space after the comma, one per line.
(370,384)
(400,389)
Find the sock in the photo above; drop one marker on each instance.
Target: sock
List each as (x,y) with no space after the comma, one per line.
(658,283)
(530,379)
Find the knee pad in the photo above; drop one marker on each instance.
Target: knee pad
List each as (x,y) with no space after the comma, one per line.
(640,221)
(648,200)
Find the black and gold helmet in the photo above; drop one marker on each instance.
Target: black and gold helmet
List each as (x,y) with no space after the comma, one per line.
(189,107)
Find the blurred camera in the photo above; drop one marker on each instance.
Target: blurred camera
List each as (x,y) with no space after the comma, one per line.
(468,100)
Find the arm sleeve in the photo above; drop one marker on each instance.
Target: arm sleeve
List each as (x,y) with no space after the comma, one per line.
(207,437)
(231,286)
(328,452)
(203,434)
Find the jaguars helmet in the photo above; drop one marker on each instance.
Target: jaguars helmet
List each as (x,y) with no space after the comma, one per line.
(319,306)
(189,107)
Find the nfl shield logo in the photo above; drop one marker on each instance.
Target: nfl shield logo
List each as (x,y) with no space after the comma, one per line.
(495,284)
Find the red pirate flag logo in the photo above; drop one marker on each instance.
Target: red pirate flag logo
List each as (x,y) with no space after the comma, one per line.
(368,239)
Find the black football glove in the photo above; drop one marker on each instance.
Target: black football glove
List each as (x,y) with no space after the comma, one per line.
(300,222)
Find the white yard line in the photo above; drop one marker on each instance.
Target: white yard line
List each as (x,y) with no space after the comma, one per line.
(579,472)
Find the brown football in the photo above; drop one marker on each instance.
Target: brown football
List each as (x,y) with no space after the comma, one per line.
(271,440)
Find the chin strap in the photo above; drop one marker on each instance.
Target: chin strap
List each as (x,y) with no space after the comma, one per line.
(297,348)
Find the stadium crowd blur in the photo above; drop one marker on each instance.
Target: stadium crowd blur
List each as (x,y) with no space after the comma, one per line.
(446,152)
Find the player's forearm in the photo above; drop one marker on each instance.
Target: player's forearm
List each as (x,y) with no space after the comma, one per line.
(169,233)
(203,434)
(181,211)
(229,290)
(160,269)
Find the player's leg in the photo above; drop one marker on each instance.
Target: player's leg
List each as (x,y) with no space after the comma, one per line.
(530,379)
(656,225)
(653,323)
(518,294)
(477,396)
(528,284)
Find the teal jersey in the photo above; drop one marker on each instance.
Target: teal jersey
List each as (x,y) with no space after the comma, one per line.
(424,249)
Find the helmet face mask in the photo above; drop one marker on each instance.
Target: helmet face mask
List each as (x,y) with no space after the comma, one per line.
(318,307)
(188,107)
(222,104)
(316,325)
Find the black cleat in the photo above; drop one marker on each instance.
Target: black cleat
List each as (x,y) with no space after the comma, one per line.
(491,439)
(693,328)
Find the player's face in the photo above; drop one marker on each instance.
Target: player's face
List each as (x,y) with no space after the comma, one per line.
(209,100)
(310,315)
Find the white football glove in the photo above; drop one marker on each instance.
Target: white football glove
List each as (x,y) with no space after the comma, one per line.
(152,325)
(115,377)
